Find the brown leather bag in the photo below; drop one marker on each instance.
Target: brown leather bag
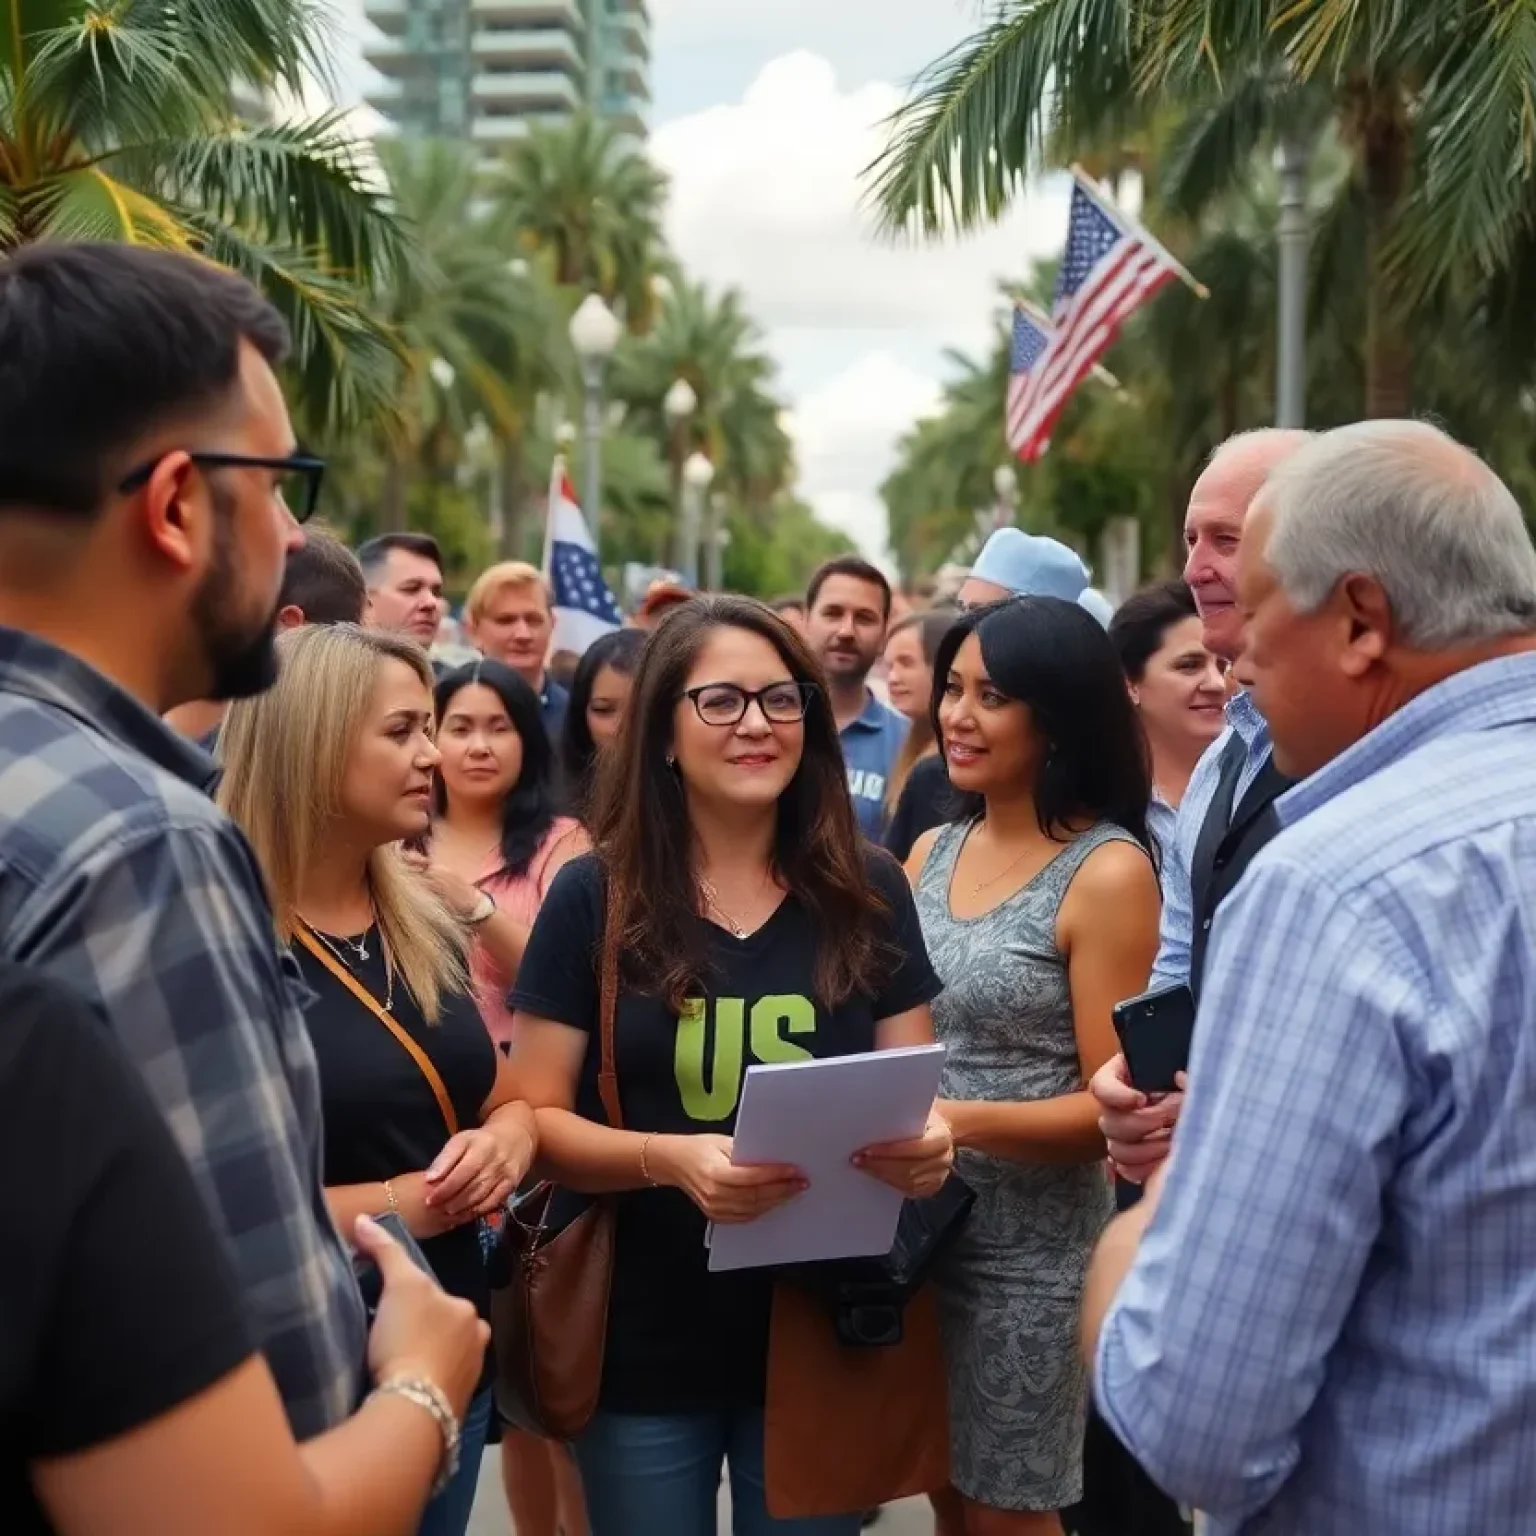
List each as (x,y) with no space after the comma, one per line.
(851,1429)
(549,1323)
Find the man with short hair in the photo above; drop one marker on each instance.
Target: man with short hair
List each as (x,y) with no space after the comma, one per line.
(323,583)
(509,617)
(146,452)
(1316,1323)
(404,574)
(1227,814)
(848,606)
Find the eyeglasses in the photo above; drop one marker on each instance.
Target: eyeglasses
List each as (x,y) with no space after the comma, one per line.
(299,477)
(726,704)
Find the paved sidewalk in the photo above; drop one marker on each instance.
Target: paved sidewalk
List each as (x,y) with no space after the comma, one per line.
(490,1519)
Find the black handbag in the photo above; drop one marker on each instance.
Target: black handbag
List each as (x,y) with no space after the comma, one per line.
(867,1297)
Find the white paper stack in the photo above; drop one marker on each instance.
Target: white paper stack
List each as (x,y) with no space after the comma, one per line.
(815,1115)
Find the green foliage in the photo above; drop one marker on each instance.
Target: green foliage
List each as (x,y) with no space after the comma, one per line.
(772,556)
(115,125)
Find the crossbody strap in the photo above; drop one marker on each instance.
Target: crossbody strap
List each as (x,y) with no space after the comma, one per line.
(607,1074)
(377,1009)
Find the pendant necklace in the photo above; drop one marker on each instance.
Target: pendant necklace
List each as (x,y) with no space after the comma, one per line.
(712,903)
(359,948)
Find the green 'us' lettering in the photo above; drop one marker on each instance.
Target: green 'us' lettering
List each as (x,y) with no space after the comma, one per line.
(709,1061)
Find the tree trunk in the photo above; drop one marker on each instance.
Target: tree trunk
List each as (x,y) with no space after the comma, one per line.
(392,495)
(1388,349)
(514,500)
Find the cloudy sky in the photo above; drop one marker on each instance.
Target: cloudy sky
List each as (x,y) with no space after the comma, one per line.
(765,113)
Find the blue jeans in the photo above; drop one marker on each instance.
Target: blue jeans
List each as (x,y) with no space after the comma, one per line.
(448,1514)
(659,1475)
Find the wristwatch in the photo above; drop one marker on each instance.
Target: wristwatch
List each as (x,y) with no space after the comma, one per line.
(483,909)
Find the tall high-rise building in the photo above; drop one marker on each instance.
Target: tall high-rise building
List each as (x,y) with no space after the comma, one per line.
(485,70)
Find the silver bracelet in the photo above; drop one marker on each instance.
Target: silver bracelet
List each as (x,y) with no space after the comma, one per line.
(427,1395)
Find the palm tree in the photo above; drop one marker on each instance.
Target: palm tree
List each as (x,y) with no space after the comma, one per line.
(1431,101)
(713,343)
(115,124)
(474,328)
(586,195)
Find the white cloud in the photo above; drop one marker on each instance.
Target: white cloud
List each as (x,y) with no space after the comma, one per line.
(845,436)
(768,196)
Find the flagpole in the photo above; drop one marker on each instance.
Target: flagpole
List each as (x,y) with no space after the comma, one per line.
(556,476)
(1040,318)
(1086,182)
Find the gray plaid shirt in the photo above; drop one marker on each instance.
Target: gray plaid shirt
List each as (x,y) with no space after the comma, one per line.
(119,877)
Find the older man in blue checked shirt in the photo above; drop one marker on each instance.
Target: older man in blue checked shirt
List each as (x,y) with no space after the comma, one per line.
(1319,1323)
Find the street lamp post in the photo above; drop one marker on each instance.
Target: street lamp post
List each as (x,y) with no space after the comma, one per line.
(716,539)
(679,405)
(1005,482)
(697,474)
(595,332)
(1291,161)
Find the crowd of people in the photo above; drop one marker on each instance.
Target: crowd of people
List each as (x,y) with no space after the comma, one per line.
(302,914)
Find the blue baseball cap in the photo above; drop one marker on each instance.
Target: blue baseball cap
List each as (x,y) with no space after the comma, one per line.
(1031,565)
(1096,604)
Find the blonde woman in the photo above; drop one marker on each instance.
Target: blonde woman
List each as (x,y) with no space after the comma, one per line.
(327,774)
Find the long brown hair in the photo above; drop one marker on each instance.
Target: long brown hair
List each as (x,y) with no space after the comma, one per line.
(643,837)
(931,629)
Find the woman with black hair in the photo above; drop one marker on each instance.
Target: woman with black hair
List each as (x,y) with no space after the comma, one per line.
(496,833)
(1040,911)
(600,691)
(1178,687)
(751,924)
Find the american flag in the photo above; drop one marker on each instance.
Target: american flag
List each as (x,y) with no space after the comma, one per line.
(1030,340)
(1110,268)
(584,607)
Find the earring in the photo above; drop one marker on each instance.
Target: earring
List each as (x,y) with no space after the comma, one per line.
(671,761)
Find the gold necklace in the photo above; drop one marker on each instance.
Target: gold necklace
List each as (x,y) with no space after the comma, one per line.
(981,885)
(712,903)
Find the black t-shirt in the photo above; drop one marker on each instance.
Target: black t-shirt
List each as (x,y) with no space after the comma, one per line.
(381,1116)
(927,800)
(679,1338)
(116,1300)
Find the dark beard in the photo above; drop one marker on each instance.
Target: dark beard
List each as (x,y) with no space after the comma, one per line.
(241,656)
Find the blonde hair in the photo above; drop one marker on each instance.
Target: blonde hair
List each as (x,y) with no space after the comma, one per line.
(285,756)
(516,574)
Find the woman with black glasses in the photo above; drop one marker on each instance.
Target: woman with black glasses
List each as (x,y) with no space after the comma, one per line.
(752,926)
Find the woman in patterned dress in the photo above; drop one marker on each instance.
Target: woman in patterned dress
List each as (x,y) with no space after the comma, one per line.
(1040,911)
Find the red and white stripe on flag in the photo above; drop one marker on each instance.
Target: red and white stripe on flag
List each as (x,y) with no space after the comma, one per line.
(1110,268)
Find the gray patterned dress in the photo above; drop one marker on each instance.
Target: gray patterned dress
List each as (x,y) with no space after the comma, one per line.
(1010,1288)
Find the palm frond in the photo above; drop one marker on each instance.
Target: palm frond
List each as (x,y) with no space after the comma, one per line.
(346,363)
(1476,151)
(303,185)
(10,220)
(87,203)
(1211,148)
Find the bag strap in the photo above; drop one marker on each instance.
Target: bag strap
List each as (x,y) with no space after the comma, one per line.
(607,1074)
(377,1009)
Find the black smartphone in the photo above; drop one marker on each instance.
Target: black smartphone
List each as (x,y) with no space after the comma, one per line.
(369,1281)
(1155,1032)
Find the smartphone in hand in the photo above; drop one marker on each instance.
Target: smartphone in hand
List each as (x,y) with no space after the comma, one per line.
(1155,1031)
(369,1281)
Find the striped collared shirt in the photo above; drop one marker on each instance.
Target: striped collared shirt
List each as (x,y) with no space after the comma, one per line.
(1328,1328)
(120,878)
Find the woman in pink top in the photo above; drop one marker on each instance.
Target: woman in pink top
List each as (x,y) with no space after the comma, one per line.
(496,832)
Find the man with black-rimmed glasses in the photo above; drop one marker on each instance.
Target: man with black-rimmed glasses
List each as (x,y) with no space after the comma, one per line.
(150,491)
